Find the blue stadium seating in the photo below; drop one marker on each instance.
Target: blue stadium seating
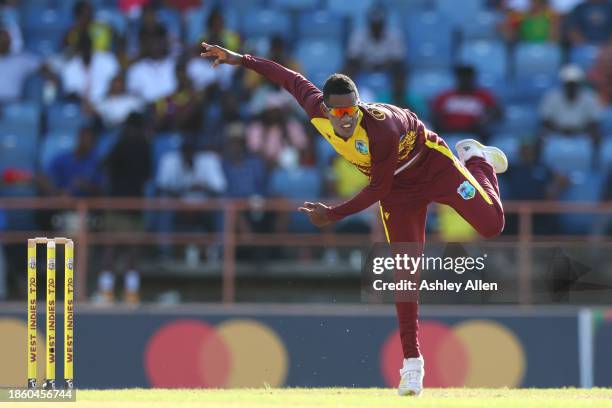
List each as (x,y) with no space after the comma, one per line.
(428,41)
(266,23)
(195,21)
(568,154)
(377,83)
(54,144)
(355,10)
(606,153)
(319,59)
(487,57)
(324,151)
(43,30)
(298,5)
(322,25)
(509,144)
(22,119)
(429,83)
(459,13)
(299,184)
(64,117)
(171,20)
(520,120)
(163,143)
(16,151)
(606,122)
(105,143)
(114,18)
(530,90)
(481,26)
(584,56)
(536,59)
(584,186)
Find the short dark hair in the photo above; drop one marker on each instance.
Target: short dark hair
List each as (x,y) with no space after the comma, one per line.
(339,84)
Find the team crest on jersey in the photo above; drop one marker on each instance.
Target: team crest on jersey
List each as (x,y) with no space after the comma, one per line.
(376,113)
(361,146)
(466,190)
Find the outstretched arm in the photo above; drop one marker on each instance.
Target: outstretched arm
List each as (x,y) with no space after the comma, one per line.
(304,91)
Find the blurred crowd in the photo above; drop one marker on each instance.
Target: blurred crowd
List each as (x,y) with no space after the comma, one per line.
(111,98)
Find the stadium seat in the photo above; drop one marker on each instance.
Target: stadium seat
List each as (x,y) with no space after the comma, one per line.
(195,21)
(429,83)
(114,18)
(377,83)
(536,59)
(105,143)
(319,59)
(64,117)
(33,89)
(266,23)
(43,30)
(584,56)
(428,41)
(324,151)
(298,5)
(321,24)
(297,184)
(508,144)
(458,14)
(171,20)
(530,90)
(163,143)
(17,152)
(584,186)
(355,10)
(487,57)
(21,118)
(54,144)
(606,153)
(520,121)
(606,122)
(568,154)
(481,26)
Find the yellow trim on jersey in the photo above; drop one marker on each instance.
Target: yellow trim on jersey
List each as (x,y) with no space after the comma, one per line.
(446,152)
(355,149)
(382,217)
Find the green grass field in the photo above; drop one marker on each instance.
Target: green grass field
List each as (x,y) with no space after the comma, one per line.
(341,397)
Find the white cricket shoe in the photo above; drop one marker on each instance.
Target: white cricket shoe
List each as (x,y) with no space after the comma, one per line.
(468,148)
(411,377)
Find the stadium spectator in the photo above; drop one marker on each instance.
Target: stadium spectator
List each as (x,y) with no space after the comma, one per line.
(118,104)
(245,172)
(149,27)
(277,53)
(15,68)
(100,33)
(378,47)
(573,109)
(88,73)
(75,173)
(530,180)
(182,109)
(128,169)
(9,20)
(195,176)
(275,131)
(216,31)
(600,74)
(466,108)
(590,22)
(539,23)
(153,77)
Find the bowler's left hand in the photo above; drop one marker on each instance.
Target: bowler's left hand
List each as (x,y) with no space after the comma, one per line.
(317,213)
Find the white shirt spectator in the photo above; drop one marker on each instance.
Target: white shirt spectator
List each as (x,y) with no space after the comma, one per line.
(203,74)
(370,52)
(207,170)
(114,109)
(90,82)
(14,70)
(576,114)
(152,79)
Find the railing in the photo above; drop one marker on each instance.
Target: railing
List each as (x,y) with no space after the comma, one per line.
(230,238)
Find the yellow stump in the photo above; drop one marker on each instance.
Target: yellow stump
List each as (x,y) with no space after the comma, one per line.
(32,342)
(69,314)
(51,320)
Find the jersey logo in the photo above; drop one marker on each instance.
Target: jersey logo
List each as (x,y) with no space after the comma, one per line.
(466,190)
(361,146)
(386,215)
(376,113)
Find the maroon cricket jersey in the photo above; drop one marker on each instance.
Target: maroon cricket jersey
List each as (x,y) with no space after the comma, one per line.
(386,140)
